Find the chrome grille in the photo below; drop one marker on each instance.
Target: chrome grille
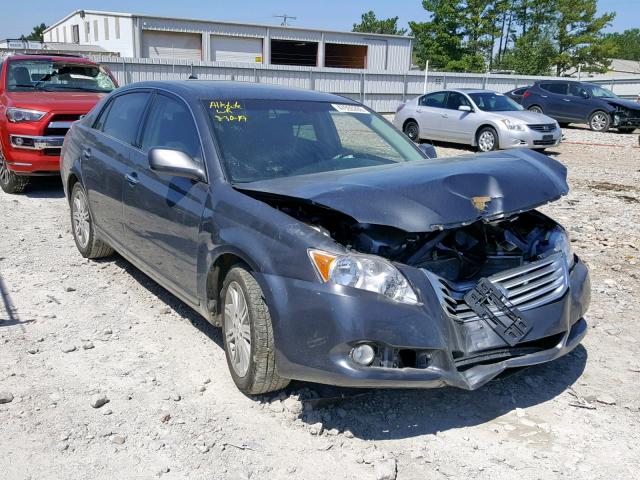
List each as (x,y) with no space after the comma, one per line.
(528,286)
(543,127)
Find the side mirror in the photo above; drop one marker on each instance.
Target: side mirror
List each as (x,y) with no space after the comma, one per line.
(175,163)
(465,108)
(428,149)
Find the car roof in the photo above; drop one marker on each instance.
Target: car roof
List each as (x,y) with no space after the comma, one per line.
(195,90)
(51,57)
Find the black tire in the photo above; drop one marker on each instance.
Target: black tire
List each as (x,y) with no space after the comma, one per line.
(482,139)
(9,181)
(412,130)
(599,121)
(626,129)
(86,241)
(260,376)
(536,109)
(564,124)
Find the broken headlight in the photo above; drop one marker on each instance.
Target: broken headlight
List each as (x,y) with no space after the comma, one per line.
(365,272)
(559,240)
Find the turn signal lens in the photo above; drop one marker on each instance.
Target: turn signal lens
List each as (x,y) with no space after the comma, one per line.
(322,261)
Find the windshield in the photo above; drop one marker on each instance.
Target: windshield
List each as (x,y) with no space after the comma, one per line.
(494,102)
(48,75)
(599,92)
(265,139)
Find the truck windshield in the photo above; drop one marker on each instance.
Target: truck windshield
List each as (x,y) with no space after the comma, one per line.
(48,75)
(265,139)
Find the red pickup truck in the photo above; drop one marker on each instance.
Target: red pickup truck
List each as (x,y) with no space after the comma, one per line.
(40,97)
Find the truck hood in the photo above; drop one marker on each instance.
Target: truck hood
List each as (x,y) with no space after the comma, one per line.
(72,102)
(430,195)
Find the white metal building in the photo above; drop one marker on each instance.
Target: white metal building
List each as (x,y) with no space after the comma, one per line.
(147,36)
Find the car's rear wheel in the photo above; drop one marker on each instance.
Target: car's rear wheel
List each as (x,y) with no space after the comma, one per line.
(412,130)
(487,139)
(9,181)
(599,121)
(82,226)
(535,109)
(626,129)
(248,335)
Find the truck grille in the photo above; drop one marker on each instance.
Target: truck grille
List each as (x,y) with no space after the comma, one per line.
(60,124)
(543,127)
(528,286)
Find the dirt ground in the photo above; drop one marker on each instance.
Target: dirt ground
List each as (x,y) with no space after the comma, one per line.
(77,333)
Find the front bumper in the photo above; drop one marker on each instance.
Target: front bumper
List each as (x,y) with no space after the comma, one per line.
(317,325)
(529,138)
(32,154)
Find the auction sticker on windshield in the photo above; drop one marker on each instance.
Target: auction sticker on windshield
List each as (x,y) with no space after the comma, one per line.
(343,107)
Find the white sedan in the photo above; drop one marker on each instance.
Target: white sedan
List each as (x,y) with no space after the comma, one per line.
(482,118)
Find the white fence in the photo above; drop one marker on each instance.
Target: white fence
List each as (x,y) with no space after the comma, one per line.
(380,91)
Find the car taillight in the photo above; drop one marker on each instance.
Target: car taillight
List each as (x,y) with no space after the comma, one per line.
(526,93)
(400,107)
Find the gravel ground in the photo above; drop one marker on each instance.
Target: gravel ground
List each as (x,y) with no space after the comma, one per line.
(106,375)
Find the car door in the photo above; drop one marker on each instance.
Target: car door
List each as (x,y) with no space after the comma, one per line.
(458,126)
(105,158)
(429,111)
(162,213)
(580,105)
(555,95)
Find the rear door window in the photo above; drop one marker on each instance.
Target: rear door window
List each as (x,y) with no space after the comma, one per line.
(436,100)
(557,88)
(170,125)
(122,116)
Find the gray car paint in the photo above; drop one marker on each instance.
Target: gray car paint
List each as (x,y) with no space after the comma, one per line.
(181,233)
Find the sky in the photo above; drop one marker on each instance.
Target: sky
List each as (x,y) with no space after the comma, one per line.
(18,17)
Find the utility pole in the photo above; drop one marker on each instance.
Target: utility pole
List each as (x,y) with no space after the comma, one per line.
(426,77)
(284,18)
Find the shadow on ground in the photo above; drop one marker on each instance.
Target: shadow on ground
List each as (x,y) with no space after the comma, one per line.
(44,187)
(377,414)
(8,312)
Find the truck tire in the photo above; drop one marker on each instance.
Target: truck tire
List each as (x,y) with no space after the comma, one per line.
(9,181)
(82,226)
(248,334)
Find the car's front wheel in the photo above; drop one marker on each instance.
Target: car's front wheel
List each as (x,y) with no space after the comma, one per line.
(82,226)
(9,181)
(412,130)
(487,139)
(599,121)
(248,335)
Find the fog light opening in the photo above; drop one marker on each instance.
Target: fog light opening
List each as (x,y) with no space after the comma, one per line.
(363,354)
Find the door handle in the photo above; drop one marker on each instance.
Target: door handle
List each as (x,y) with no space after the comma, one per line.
(444,115)
(132,178)
(566,99)
(86,153)
(419,110)
(544,96)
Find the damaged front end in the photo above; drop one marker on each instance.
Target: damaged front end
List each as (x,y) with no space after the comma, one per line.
(478,291)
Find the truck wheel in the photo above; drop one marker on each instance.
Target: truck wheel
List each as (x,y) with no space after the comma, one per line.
(9,181)
(248,335)
(599,121)
(82,226)
(412,130)
(487,139)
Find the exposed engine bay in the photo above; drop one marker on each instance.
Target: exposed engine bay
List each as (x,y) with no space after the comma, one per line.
(480,249)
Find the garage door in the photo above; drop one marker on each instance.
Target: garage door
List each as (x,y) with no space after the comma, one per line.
(234,49)
(186,46)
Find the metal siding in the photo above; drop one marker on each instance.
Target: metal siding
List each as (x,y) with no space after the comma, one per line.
(171,45)
(377,55)
(345,39)
(299,35)
(399,56)
(235,49)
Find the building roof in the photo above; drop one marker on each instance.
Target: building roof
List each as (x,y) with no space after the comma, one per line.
(141,15)
(625,66)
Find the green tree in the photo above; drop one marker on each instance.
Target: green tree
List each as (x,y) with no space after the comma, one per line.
(36,33)
(579,38)
(625,45)
(370,24)
(531,55)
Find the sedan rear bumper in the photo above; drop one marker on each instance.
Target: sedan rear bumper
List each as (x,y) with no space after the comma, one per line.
(316,326)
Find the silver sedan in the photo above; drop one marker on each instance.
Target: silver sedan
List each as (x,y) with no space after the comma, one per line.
(482,118)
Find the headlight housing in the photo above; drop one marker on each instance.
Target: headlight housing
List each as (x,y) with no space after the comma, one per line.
(512,125)
(559,241)
(17,115)
(366,272)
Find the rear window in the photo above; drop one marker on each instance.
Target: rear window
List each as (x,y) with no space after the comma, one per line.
(557,88)
(434,100)
(50,75)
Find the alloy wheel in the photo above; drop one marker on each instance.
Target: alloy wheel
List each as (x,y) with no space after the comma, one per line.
(237,328)
(486,141)
(535,109)
(4,171)
(411,130)
(81,218)
(598,122)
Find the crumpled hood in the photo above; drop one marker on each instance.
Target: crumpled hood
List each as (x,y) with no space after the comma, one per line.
(624,103)
(429,195)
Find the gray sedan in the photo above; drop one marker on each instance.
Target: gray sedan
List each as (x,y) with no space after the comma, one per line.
(482,118)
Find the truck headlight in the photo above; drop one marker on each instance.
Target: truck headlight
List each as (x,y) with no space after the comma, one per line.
(511,125)
(17,115)
(366,272)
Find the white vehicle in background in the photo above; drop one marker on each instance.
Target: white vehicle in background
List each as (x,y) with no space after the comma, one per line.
(481,118)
